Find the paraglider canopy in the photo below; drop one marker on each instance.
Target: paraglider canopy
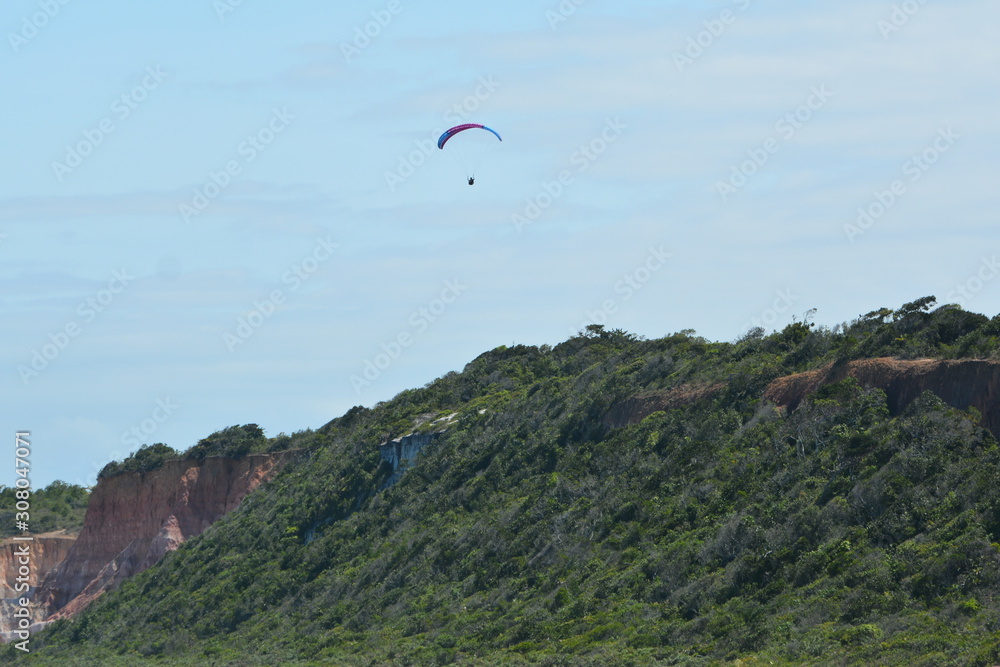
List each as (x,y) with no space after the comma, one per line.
(470,148)
(448,134)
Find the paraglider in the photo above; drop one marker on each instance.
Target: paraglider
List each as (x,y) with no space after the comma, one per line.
(471,147)
(448,134)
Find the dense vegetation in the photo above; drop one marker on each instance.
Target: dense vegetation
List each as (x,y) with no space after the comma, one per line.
(59,506)
(532,533)
(234,441)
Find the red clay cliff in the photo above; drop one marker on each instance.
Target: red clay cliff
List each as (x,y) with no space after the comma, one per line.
(134,518)
(960,383)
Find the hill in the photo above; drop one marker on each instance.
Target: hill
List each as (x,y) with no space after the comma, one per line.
(608,501)
(57,507)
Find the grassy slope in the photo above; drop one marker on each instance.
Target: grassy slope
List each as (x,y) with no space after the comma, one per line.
(531,535)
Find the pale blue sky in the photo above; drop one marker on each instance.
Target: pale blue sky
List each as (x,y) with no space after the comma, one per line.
(650,232)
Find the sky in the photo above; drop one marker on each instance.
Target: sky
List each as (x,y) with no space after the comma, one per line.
(221,212)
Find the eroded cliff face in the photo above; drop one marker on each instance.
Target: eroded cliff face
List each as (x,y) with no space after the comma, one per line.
(402,452)
(134,519)
(44,553)
(959,383)
(636,408)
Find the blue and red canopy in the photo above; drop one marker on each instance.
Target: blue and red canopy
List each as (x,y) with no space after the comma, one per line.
(462,128)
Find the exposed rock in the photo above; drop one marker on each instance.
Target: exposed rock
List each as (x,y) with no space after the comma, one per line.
(401,452)
(960,383)
(45,552)
(636,408)
(134,518)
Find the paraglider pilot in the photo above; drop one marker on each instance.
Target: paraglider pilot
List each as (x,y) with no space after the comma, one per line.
(448,134)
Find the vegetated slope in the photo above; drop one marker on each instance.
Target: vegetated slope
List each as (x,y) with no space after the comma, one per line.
(960,383)
(58,506)
(55,518)
(531,532)
(134,518)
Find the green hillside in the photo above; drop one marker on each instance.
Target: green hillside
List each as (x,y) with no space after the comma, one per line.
(533,532)
(58,506)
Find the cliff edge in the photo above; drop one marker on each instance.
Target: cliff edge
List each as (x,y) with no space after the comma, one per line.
(134,518)
(959,383)
(44,553)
